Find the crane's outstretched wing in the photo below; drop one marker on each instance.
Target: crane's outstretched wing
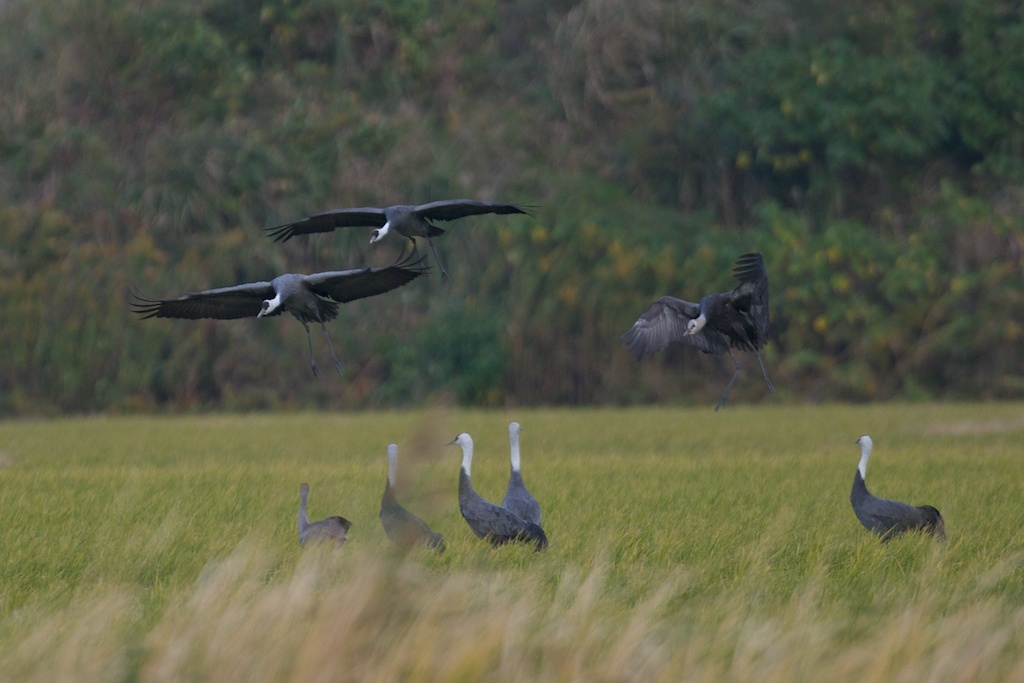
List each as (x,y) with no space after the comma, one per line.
(450,209)
(750,298)
(665,322)
(225,303)
(349,285)
(367,217)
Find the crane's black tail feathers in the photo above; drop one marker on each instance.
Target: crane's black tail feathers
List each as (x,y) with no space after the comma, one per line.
(533,533)
(934,523)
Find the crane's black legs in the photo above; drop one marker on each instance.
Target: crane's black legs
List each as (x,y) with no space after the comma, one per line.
(337,364)
(736,363)
(309,340)
(763,372)
(444,273)
(725,394)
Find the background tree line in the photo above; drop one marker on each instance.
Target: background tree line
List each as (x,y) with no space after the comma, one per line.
(872,153)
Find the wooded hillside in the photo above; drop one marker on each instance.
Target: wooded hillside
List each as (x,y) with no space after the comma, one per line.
(874,154)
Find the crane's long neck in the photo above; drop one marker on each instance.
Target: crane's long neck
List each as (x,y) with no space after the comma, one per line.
(465,486)
(865,453)
(513,441)
(467,457)
(392,465)
(303,517)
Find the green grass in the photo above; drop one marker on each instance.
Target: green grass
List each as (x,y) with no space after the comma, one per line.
(685,545)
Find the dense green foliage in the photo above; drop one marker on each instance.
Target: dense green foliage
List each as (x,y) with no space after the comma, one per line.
(872,153)
(165,548)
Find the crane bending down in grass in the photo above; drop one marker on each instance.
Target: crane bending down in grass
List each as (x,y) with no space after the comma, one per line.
(487,520)
(737,319)
(333,529)
(405,529)
(889,518)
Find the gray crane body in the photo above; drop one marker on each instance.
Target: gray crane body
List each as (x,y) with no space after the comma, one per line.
(331,529)
(889,518)
(405,529)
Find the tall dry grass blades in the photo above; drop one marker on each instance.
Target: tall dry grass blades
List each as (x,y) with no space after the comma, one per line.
(337,618)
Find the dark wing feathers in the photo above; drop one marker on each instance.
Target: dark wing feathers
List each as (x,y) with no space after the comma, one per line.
(890,518)
(349,285)
(750,298)
(224,303)
(494,523)
(450,209)
(665,322)
(366,217)
(498,525)
(886,514)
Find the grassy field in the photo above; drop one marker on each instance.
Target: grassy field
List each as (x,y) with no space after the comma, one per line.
(685,546)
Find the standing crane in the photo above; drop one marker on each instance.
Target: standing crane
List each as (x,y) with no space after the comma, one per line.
(518,500)
(333,529)
(889,518)
(403,527)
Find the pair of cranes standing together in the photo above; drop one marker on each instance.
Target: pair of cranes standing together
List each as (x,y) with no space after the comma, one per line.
(720,322)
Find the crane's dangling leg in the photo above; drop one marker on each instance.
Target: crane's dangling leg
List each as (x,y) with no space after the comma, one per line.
(309,340)
(444,273)
(337,363)
(725,394)
(763,372)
